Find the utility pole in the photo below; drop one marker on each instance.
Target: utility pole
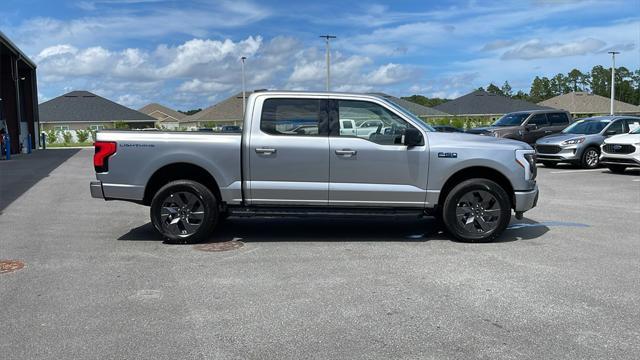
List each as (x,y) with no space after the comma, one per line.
(244,96)
(328,55)
(613,77)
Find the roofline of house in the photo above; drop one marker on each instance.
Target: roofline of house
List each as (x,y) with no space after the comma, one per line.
(92,121)
(16,50)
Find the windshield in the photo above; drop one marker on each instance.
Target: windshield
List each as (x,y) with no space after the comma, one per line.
(586,127)
(511,119)
(408,114)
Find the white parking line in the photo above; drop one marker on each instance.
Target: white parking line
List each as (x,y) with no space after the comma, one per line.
(575,171)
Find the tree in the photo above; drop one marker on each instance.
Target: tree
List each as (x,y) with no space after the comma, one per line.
(600,81)
(190,112)
(521,95)
(506,89)
(624,85)
(559,85)
(425,101)
(575,78)
(540,90)
(492,89)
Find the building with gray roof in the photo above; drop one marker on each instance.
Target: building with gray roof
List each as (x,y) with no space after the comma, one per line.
(586,104)
(79,110)
(166,117)
(482,103)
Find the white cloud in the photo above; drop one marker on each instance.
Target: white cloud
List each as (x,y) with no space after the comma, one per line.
(535,49)
(198,86)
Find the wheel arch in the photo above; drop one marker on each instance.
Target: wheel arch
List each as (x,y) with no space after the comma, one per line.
(476,172)
(179,171)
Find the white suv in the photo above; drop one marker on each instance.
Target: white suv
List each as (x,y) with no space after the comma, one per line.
(622,151)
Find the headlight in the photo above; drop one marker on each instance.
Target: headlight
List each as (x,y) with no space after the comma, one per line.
(573,141)
(527,159)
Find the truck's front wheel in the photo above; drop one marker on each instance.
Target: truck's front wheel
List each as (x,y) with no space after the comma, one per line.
(184,212)
(476,210)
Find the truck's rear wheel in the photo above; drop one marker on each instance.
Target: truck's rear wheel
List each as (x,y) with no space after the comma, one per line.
(184,212)
(476,210)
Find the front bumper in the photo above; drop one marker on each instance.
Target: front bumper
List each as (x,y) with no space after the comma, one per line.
(565,153)
(608,159)
(526,200)
(96,189)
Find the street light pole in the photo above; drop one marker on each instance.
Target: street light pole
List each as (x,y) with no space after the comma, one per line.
(328,56)
(244,96)
(613,77)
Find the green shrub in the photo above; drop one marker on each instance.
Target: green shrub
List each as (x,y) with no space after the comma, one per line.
(120,125)
(66,137)
(52,136)
(82,135)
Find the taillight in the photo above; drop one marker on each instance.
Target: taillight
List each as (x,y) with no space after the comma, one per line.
(104,149)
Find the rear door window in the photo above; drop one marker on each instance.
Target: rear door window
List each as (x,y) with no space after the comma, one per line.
(558,119)
(295,117)
(617,126)
(538,119)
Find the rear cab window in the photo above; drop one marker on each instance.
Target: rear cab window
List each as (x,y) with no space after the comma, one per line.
(558,119)
(294,117)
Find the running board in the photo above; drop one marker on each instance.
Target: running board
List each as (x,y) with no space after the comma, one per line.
(318,212)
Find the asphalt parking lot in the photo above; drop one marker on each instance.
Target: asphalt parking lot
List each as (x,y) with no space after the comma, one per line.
(99,283)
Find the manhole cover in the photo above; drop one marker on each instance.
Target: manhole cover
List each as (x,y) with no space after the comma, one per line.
(7,266)
(220,246)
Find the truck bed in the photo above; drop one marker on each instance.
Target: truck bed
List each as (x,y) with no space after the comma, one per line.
(141,154)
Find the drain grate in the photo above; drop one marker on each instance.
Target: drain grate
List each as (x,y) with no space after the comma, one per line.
(219,246)
(7,266)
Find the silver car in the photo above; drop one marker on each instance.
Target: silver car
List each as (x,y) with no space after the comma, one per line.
(580,142)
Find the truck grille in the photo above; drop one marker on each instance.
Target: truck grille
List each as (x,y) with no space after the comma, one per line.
(548,149)
(619,148)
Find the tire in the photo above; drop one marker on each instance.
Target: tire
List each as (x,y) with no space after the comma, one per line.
(617,169)
(476,210)
(588,161)
(184,212)
(549,164)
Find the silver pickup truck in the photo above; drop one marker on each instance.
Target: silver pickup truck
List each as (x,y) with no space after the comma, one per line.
(293,159)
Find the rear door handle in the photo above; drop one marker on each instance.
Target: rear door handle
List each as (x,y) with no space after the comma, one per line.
(346,152)
(548,131)
(266,151)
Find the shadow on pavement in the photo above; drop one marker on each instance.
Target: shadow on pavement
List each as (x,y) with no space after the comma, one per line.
(23,171)
(329,230)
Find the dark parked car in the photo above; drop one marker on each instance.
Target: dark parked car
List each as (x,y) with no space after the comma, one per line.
(447,128)
(231,129)
(527,126)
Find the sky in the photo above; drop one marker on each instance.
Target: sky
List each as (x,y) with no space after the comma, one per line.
(186,54)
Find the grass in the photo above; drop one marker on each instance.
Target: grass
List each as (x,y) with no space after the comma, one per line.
(63,145)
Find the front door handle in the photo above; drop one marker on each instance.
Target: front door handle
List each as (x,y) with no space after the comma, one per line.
(266,151)
(346,152)
(548,131)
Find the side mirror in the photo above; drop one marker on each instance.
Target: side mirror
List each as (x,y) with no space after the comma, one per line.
(610,133)
(412,137)
(531,127)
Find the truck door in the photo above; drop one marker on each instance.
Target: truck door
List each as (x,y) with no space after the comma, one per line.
(378,170)
(288,152)
(542,128)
